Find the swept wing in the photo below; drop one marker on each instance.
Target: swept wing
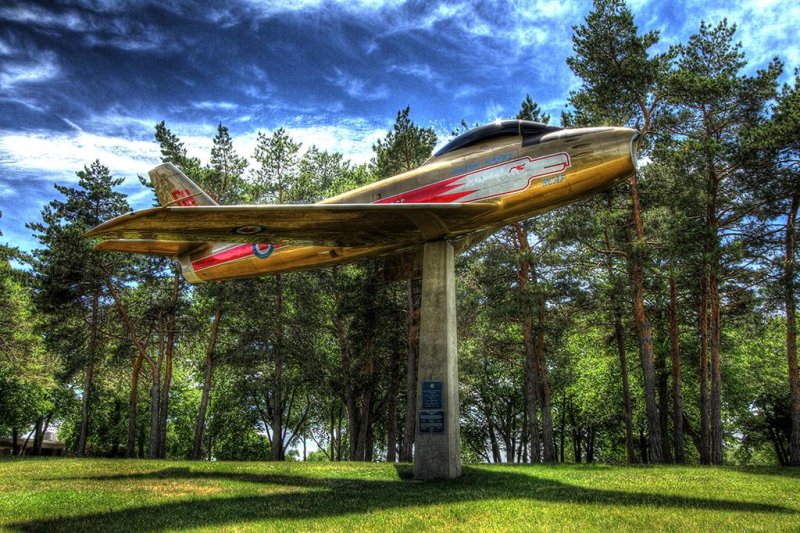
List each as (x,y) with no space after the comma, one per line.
(317,224)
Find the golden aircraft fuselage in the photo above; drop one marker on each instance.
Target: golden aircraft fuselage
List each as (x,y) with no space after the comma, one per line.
(512,169)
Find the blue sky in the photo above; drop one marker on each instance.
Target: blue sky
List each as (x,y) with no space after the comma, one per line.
(88,79)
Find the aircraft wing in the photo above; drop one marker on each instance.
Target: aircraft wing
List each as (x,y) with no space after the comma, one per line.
(315,224)
(150,247)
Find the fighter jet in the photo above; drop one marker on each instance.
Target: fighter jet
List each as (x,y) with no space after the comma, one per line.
(489,177)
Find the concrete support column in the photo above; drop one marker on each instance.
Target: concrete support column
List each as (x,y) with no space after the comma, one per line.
(437,453)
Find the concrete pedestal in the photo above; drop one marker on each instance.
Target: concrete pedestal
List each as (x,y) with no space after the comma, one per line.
(437,453)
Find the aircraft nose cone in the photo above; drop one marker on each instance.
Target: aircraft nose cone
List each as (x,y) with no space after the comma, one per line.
(636,138)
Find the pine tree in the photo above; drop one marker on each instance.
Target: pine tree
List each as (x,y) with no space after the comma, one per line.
(406,147)
(772,149)
(71,275)
(622,84)
(277,157)
(712,103)
(225,179)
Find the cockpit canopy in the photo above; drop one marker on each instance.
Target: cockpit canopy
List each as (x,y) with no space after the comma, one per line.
(530,132)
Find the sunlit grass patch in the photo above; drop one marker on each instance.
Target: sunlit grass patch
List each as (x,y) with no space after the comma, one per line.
(126,495)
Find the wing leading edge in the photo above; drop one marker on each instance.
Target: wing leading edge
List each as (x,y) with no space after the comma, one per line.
(316,224)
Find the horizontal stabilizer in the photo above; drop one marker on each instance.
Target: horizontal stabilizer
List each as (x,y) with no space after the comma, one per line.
(150,247)
(317,224)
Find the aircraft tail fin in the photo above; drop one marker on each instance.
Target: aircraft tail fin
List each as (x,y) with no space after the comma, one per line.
(174,188)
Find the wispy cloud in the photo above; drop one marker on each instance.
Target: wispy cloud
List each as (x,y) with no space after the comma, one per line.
(94,28)
(206,105)
(49,153)
(41,17)
(416,70)
(356,87)
(21,63)
(275,7)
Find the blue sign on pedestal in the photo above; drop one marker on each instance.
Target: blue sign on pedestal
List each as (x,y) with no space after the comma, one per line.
(431,394)
(431,421)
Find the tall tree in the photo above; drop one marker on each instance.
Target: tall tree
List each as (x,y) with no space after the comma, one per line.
(622,84)
(224,180)
(715,101)
(772,148)
(406,147)
(533,301)
(71,273)
(272,180)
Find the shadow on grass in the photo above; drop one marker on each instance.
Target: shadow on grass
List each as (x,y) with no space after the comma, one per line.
(329,497)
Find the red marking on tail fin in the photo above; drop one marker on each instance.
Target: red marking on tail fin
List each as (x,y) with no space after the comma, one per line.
(184,197)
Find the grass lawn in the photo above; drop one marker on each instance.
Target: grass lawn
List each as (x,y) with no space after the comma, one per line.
(133,495)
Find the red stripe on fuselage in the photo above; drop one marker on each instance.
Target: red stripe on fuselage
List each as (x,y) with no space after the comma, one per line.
(435,193)
(231,254)
(237,252)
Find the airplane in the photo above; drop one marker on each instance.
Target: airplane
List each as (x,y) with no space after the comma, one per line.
(489,177)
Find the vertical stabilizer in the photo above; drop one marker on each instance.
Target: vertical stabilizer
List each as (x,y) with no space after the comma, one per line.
(174,188)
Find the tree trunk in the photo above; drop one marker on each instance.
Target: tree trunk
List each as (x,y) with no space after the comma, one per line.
(716,371)
(141,442)
(200,425)
(155,396)
(537,384)
(496,457)
(165,388)
(410,426)
(87,393)
(619,337)
(791,333)
(643,446)
(531,389)
(563,424)
(548,449)
(663,401)
(705,457)
(339,440)
(115,439)
(645,335)
(277,394)
(643,329)
(83,434)
(391,411)
(675,356)
(133,406)
(38,436)
(627,410)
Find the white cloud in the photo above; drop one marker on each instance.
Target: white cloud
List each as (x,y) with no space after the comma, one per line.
(34,69)
(38,16)
(494,111)
(95,29)
(766,28)
(269,8)
(352,138)
(356,87)
(417,70)
(211,106)
(48,152)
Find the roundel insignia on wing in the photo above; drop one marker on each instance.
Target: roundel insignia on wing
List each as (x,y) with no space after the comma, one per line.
(262,250)
(250,229)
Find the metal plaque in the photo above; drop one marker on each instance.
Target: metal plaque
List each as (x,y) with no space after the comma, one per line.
(431,421)
(432,394)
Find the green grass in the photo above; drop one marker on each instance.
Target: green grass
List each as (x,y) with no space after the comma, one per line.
(130,495)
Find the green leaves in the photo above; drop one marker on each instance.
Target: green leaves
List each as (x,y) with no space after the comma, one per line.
(405,147)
